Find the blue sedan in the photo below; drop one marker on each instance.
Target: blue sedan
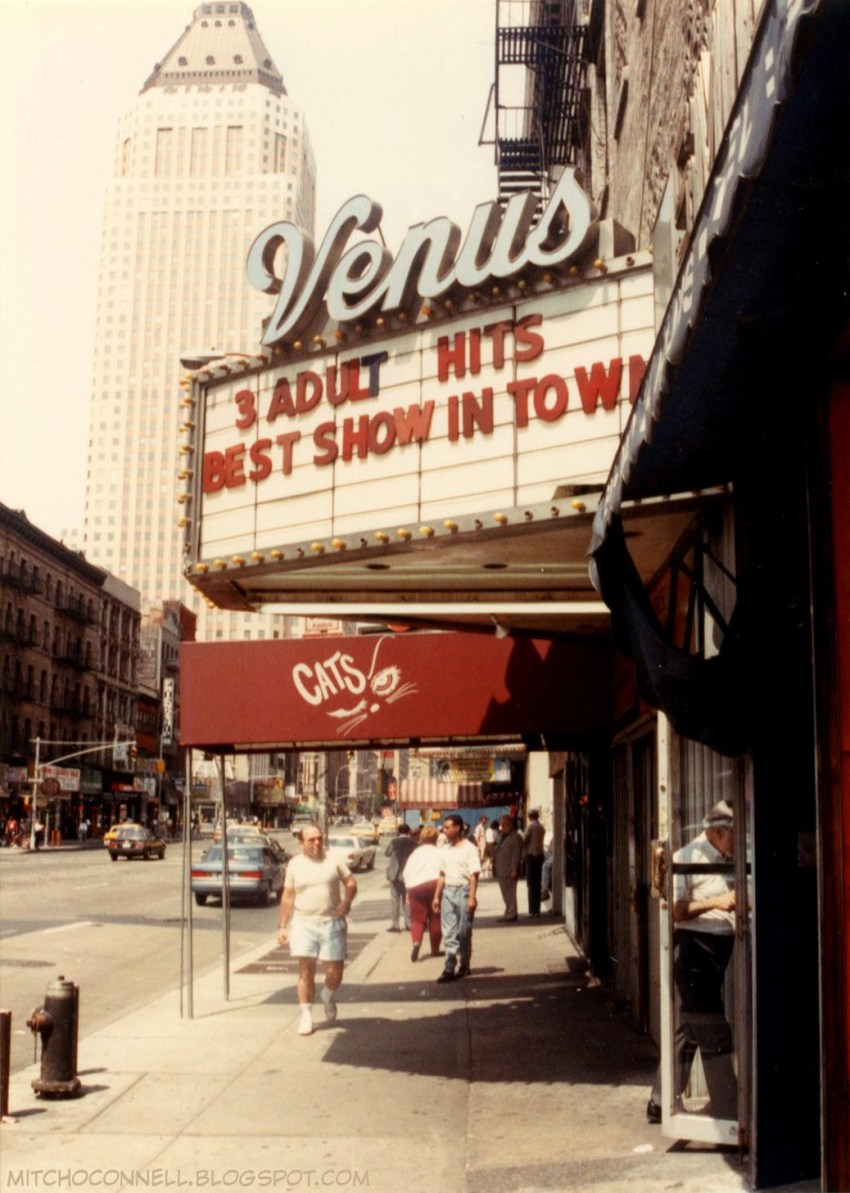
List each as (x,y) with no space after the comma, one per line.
(253,870)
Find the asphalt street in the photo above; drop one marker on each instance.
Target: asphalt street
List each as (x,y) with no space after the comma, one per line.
(113,929)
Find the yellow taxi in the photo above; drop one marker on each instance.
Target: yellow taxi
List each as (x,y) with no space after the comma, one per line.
(112,833)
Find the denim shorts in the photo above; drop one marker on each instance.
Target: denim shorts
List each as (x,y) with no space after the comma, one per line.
(325,939)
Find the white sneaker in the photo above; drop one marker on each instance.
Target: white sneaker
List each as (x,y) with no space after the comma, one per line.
(329,1002)
(305,1026)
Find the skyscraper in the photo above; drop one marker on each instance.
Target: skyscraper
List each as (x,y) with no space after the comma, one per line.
(212,152)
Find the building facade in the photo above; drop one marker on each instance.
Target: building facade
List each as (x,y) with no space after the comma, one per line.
(70,645)
(212,150)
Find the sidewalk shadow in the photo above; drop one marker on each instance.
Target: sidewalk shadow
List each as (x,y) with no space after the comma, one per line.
(564,1027)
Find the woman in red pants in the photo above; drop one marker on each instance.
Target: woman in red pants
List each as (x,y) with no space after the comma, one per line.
(420,874)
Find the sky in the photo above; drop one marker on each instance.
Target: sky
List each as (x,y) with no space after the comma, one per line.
(394,94)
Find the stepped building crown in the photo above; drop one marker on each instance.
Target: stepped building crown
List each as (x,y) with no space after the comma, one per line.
(221,45)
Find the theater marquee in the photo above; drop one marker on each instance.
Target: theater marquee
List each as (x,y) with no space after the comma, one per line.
(437,422)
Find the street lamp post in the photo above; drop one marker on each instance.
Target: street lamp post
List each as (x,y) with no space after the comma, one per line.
(39,766)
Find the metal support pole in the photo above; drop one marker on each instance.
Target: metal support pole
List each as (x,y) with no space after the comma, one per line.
(5,1061)
(186,923)
(35,782)
(225,883)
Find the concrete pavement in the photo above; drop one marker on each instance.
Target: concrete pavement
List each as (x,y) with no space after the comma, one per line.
(522,1077)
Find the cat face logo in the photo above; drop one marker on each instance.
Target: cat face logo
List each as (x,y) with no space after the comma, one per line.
(325,682)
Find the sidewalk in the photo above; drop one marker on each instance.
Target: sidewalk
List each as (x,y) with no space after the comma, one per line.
(522,1077)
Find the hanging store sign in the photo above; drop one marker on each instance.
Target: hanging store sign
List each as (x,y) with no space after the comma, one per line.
(60,778)
(167,735)
(387,689)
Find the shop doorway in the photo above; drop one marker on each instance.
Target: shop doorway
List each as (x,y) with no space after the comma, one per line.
(701,874)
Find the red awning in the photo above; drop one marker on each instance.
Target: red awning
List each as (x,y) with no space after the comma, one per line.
(335,693)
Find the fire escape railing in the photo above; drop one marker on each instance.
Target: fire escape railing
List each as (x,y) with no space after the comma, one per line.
(545,131)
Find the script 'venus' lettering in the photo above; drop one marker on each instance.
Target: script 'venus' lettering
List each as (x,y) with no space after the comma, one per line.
(366,277)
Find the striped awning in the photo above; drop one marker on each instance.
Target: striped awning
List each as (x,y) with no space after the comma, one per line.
(431,793)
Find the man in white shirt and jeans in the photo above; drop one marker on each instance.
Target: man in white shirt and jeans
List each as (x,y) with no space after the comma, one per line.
(456,896)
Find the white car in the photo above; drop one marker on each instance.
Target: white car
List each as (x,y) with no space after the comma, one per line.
(357,853)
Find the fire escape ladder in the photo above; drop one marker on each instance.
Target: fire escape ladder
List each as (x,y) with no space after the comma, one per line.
(544,45)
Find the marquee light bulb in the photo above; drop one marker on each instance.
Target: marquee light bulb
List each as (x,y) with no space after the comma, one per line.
(202,568)
(382,536)
(317,548)
(276,554)
(258,557)
(239,560)
(404,533)
(220,563)
(427,531)
(339,544)
(450,525)
(500,518)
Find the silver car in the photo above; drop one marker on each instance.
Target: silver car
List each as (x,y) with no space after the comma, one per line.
(357,853)
(254,873)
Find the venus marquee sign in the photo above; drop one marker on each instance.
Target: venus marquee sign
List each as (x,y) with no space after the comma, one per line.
(487,374)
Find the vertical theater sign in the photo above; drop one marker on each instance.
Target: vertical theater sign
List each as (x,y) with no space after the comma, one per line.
(408,413)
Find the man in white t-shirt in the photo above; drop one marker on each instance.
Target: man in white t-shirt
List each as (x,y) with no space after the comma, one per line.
(317,895)
(456,896)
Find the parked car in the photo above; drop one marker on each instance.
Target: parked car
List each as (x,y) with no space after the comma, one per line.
(133,840)
(358,853)
(366,830)
(253,870)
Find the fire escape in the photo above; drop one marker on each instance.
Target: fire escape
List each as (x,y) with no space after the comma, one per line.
(538,94)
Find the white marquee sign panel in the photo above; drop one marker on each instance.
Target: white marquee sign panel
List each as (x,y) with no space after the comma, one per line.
(494,409)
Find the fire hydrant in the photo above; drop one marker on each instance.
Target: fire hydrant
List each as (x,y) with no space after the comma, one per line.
(56,1023)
